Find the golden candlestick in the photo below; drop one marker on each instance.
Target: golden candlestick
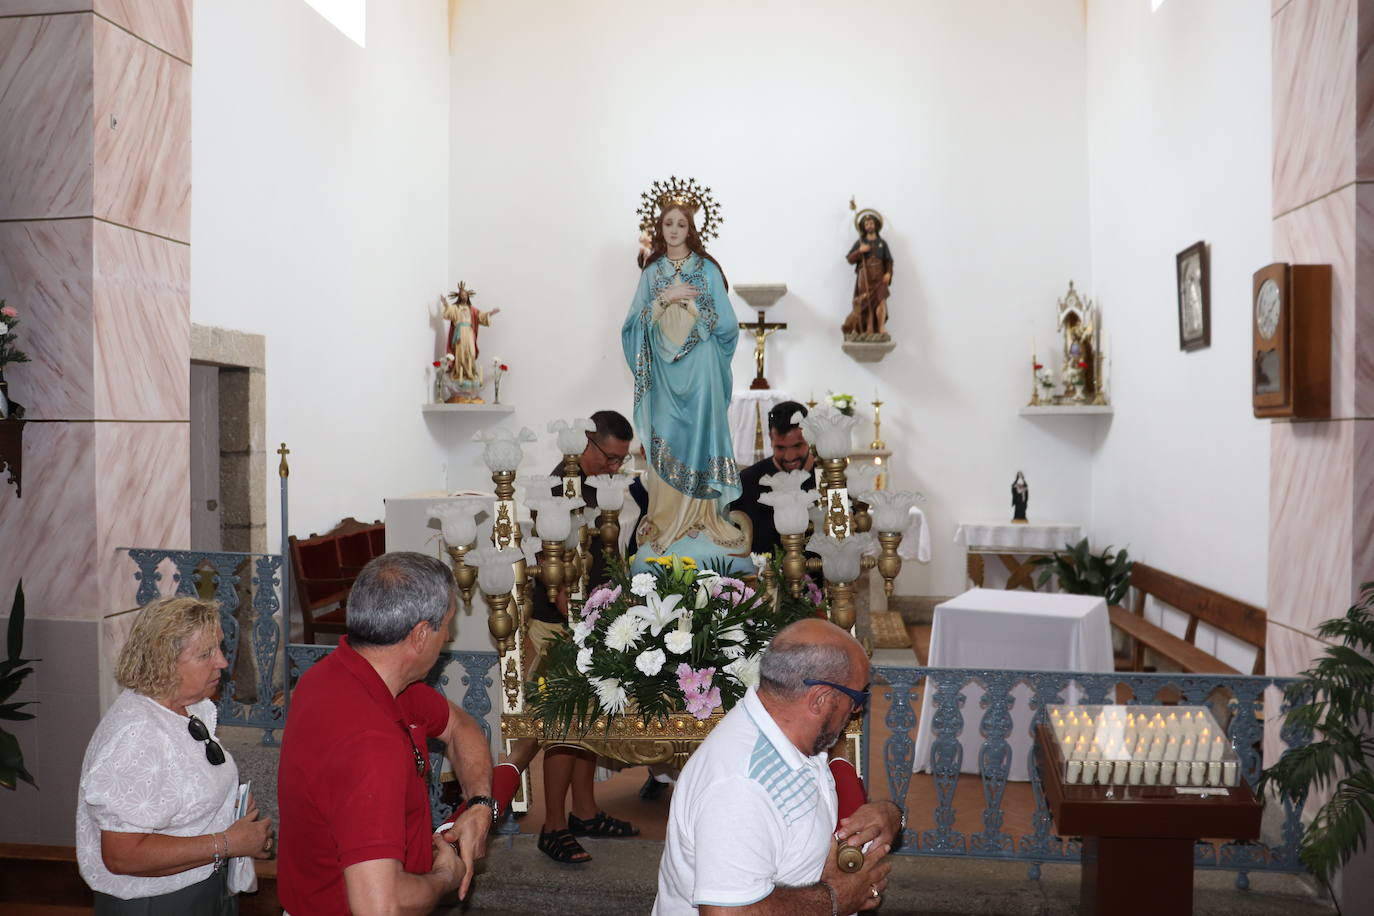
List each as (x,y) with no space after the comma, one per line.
(841,604)
(465,575)
(889,562)
(793,561)
(551,568)
(877,444)
(608,529)
(500,622)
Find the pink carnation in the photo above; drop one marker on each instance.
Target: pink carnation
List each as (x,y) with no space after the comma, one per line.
(9,312)
(813,592)
(602,597)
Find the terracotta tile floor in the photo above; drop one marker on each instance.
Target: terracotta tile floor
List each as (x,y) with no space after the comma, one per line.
(620,794)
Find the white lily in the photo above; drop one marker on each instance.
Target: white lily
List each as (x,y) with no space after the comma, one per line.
(658,612)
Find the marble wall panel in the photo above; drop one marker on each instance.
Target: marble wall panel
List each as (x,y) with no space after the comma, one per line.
(142,325)
(1311,468)
(143,162)
(1362,320)
(165,24)
(1364,93)
(1362,522)
(143,499)
(47,536)
(45,273)
(1323,232)
(38,7)
(46,147)
(1314,56)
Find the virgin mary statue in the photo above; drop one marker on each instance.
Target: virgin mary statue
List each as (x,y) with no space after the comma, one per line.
(678,338)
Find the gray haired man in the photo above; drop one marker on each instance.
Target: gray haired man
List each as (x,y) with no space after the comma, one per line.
(355,828)
(753,819)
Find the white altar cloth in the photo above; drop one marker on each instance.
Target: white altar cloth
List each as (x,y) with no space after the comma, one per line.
(1006,537)
(748,411)
(993,628)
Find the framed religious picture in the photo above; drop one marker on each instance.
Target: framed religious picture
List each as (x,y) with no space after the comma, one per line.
(1194,299)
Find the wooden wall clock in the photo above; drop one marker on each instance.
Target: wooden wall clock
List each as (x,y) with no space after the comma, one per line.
(1291,325)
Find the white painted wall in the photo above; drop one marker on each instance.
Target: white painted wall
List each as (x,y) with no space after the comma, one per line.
(961,120)
(1179,142)
(320,219)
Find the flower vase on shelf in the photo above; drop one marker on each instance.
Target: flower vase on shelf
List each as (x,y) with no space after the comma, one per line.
(496,390)
(439,393)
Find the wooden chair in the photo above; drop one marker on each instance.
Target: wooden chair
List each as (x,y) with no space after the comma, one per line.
(1202,605)
(323,568)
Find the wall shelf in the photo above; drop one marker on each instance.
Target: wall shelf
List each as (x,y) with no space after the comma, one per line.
(1064,410)
(467,408)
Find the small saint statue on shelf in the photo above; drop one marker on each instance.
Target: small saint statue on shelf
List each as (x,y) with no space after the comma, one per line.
(872,260)
(1020,498)
(464,375)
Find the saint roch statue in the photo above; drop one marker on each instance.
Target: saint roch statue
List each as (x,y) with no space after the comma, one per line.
(678,338)
(872,260)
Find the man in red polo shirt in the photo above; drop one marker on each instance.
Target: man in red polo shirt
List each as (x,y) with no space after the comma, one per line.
(355,834)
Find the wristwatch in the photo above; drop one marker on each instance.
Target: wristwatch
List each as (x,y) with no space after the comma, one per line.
(489,802)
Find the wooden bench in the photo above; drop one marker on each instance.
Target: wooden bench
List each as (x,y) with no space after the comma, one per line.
(1202,605)
(323,567)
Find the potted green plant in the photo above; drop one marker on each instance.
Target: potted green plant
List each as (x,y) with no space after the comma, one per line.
(1334,700)
(13,671)
(1082,572)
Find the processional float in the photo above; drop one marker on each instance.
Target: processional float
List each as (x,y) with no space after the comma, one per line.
(505,559)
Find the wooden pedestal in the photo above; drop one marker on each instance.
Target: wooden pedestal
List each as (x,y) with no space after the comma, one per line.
(1138,843)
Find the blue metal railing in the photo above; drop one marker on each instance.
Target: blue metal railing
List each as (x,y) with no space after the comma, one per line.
(1241,698)
(266,623)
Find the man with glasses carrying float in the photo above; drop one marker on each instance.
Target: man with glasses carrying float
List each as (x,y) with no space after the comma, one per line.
(569,768)
(352,785)
(752,828)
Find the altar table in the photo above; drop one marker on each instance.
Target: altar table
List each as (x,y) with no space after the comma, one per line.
(993,628)
(1017,546)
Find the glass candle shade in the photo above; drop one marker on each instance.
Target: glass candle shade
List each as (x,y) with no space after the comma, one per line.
(503,451)
(495,568)
(841,558)
(889,508)
(555,516)
(459,519)
(830,431)
(860,476)
(610,490)
(540,485)
(790,515)
(572,434)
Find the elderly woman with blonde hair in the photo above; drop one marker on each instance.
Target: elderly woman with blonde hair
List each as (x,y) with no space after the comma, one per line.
(156,824)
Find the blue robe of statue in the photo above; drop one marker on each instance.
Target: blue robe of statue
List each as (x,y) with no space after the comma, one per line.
(680,356)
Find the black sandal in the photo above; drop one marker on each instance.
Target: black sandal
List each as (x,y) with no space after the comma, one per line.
(601,825)
(560,846)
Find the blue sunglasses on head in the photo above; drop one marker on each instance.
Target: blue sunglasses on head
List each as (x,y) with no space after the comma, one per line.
(858,697)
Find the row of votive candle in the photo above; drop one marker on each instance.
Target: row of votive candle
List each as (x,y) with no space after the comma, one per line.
(1116,748)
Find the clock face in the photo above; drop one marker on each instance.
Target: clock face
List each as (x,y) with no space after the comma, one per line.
(1267,309)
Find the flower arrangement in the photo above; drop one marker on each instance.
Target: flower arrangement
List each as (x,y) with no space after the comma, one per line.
(1043,377)
(500,369)
(681,638)
(844,403)
(9,350)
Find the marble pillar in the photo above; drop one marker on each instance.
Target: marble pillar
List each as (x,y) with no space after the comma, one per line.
(95,192)
(1321,484)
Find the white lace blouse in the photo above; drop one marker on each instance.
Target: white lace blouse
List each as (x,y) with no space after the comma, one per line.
(144,773)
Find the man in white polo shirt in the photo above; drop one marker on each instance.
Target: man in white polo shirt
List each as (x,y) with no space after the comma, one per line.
(752,824)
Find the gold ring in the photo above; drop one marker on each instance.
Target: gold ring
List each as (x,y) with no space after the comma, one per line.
(873,892)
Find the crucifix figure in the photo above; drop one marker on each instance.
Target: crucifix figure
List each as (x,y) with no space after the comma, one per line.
(761,331)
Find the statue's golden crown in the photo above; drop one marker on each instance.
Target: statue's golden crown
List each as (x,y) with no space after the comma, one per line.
(685,193)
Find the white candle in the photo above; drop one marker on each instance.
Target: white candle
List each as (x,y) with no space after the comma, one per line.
(1230,773)
(1136,772)
(1151,772)
(1073,771)
(1199,772)
(1171,749)
(1187,750)
(1166,773)
(1120,772)
(1217,749)
(1214,773)
(1089,771)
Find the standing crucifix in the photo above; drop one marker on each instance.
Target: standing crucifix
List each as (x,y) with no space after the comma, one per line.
(761,331)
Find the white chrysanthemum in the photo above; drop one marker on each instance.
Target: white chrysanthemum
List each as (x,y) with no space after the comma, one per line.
(584,661)
(651,661)
(580,631)
(678,642)
(609,693)
(624,632)
(734,634)
(642,584)
(745,670)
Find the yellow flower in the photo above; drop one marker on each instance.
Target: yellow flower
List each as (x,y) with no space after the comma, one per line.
(541,686)
(689,563)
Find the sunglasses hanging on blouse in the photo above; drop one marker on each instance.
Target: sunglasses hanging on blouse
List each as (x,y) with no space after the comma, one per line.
(213,752)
